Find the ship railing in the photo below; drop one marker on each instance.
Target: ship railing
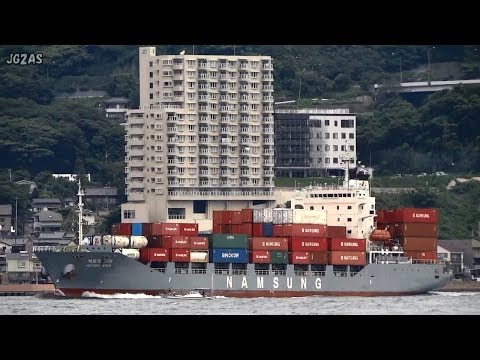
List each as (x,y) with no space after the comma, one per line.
(318,273)
(239,272)
(199,271)
(340,273)
(222,272)
(181,271)
(279,272)
(422,261)
(262,272)
(161,270)
(301,273)
(353,273)
(45,248)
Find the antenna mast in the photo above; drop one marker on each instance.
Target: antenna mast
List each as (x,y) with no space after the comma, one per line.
(80,194)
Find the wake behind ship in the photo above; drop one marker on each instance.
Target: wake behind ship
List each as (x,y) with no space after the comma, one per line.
(336,247)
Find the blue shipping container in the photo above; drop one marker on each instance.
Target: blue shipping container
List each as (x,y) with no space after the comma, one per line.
(137,229)
(236,256)
(268,229)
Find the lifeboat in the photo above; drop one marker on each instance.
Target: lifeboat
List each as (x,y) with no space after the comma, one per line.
(380,235)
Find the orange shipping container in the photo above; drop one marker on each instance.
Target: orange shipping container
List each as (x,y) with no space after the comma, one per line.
(319,258)
(260,257)
(347,258)
(198,243)
(308,244)
(408,215)
(309,230)
(122,229)
(246,228)
(217,217)
(269,243)
(166,229)
(347,244)
(237,217)
(419,243)
(416,229)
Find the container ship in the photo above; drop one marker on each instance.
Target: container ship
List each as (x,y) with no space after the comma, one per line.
(329,242)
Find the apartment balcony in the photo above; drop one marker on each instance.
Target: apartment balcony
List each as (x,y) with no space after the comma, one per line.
(268,173)
(267,77)
(136,163)
(268,119)
(178,66)
(134,196)
(212,194)
(267,87)
(268,163)
(136,142)
(135,152)
(268,98)
(178,88)
(267,66)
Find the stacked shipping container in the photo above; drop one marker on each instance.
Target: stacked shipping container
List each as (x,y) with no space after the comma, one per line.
(415,229)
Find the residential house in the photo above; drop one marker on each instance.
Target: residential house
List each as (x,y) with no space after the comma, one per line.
(5,220)
(89,217)
(55,238)
(116,108)
(70,177)
(47,222)
(44,204)
(101,197)
(31,185)
(69,202)
(464,254)
(23,267)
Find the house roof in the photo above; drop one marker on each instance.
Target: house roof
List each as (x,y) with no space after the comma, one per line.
(46,201)
(101,191)
(25,182)
(6,210)
(57,235)
(18,256)
(47,215)
(458,245)
(12,241)
(64,242)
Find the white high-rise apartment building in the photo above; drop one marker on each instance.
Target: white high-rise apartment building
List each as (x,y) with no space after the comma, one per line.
(202,139)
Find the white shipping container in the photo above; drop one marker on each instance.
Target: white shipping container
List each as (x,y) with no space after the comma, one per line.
(138,242)
(97,240)
(263,215)
(282,216)
(131,253)
(199,256)
(302,216)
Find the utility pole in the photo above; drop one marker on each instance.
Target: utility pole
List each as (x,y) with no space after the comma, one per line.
(10,174)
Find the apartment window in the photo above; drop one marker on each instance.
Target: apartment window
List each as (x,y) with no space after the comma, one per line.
(151,74)
(318,135)
(347,123)
(191,127)
(129,214)
(336,123)
(344,136)
(167,84)
(319,160)
(191,106)
(22,264)
(335,160)
(327,160)
(318,147)
(151,85)
(327,135)
(352,147)
(351,135)
(254,86)
(335,147)
(190,63)
(192,171)
(349,219)
(343,147)
(151,96)
(327,147)
(327,122)
(191,96)
(335,135)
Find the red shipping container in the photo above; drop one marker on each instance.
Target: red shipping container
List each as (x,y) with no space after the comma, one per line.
(247,215)
(246,228)
(166,229)
(154,241)
(122,229)
(236,228)
(227,217)
(319,258)
(421,255)
(300,257)
(308,244)
(188,229)
(419,243)
(260,257)
(416,229)
(176,242)
(308,230)
(217,228)
(282,230)
(237,217)
(147,229)
(385,216)
(154,254)
(198,243)
(217,217)
(347,258)
(269,243)
(180,255)
(257,229)
(407,215)
(348,244)
(336,231)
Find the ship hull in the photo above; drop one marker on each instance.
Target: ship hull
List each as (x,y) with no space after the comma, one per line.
(103,272)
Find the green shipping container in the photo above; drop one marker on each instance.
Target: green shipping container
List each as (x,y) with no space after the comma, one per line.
(230,241)
(279,257)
